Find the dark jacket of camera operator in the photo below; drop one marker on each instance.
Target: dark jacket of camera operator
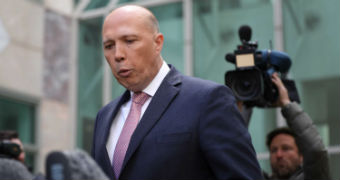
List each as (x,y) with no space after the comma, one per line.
(296,152)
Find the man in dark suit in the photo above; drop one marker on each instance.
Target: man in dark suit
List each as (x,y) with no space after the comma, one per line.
(166,125)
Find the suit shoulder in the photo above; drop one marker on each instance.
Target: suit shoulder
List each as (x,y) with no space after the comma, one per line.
(175,77)
(197,85)
(202,83)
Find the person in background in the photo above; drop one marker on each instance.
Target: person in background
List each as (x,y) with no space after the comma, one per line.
(13,137)
(297,151)
(166,125)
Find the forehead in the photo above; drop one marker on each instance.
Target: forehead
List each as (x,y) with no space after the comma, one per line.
(283,139)
(117,24)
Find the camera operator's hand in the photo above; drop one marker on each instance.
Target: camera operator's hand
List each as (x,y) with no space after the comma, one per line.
(283,93)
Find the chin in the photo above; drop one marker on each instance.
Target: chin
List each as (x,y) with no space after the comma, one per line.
(132,88)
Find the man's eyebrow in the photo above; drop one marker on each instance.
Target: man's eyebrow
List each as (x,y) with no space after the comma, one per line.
(123,37)
(131,35)
(107,41)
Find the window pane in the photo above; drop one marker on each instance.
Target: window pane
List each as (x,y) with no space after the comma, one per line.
(311,32)
(96,4)
(90,75)
(126,1)
(320,99)
(37,1)
(170,19)
(18,116)
(75,2)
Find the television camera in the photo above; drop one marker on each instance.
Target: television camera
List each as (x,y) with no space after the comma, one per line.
(251,80)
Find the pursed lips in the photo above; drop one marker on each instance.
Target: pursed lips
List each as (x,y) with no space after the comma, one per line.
(124,72)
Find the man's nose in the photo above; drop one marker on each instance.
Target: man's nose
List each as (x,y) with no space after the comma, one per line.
(279,153)
(119,52)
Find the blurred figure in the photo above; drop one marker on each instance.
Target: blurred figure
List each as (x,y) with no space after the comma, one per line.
(72,165)
(12,169)
(297,151)
(12,157)
(12,136)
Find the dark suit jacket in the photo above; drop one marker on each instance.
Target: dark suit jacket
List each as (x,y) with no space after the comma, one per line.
(191,130)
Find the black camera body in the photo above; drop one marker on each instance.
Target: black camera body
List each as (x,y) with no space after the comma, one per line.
(251,80)
(9,149)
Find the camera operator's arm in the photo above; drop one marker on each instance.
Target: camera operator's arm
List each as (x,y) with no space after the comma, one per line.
(315,158)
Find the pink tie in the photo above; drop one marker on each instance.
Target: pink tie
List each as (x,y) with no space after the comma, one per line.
(130,125)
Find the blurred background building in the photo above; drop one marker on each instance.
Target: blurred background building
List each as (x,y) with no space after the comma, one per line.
(54,78)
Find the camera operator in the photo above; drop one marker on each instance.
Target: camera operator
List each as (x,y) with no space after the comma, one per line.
(296,151)
(12,157)
(13,137)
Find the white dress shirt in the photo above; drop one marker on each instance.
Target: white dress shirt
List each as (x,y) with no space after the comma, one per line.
(119,120)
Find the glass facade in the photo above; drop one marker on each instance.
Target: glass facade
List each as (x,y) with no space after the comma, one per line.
(96,4)
(126,1)
(311,30)
(90,78)
(170,19)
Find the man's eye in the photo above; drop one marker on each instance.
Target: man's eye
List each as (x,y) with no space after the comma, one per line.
(109,46)
(286,148)
(129,41)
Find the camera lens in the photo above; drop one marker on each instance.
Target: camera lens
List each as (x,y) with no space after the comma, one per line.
(246,84)
(245,87)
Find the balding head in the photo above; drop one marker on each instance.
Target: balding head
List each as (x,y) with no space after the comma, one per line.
(139,12)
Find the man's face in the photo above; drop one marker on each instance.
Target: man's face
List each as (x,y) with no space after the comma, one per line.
(21,157)
(284,156)
(132,48)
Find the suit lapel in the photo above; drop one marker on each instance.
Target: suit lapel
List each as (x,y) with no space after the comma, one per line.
(107,126)
(159,103)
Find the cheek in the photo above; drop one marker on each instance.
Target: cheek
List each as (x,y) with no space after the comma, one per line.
(22,156)
(107,54)
(272,158)
(108,57)
(111,63)
(295,156)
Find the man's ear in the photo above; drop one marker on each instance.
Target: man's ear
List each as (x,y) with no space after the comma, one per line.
(159,40)
(301,158)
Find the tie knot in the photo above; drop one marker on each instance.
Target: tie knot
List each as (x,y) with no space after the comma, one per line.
(140,98)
